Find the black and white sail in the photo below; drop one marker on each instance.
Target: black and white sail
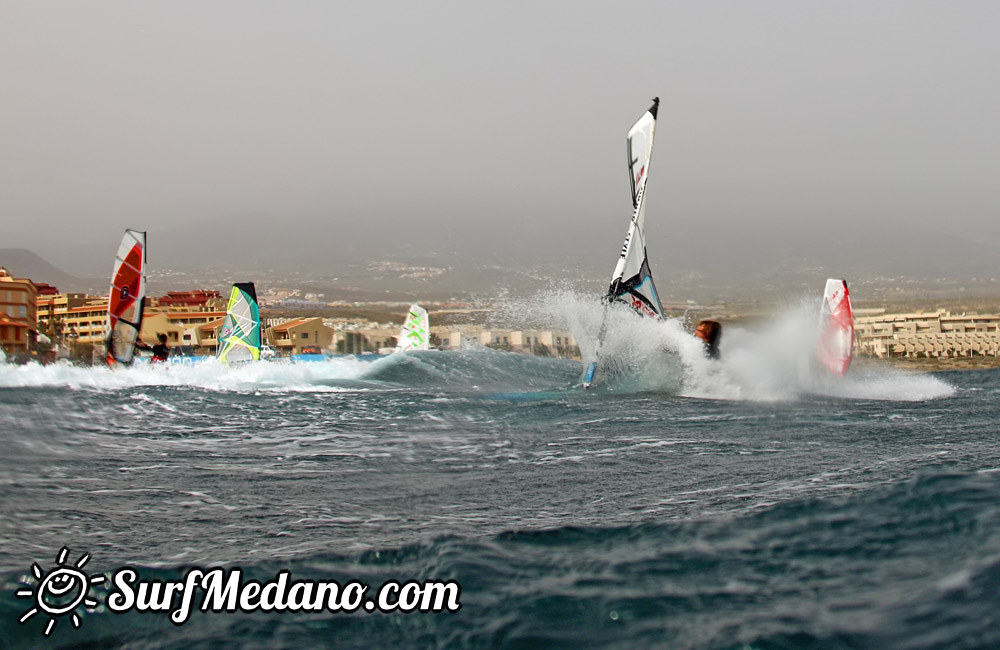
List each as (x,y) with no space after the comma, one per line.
(632,282)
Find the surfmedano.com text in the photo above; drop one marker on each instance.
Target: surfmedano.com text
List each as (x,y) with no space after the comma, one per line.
(226,590)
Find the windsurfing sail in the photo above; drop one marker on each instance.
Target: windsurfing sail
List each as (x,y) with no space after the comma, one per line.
(632,282)
(836,334)
(239,338)
(416,330)
(125,301)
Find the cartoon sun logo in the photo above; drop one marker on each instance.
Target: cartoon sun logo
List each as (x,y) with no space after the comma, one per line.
(60,591)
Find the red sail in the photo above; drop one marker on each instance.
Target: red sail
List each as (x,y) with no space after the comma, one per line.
(125,301)
(836,338)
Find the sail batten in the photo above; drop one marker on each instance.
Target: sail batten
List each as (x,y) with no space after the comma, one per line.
(415,334)
(239,338)
(126,298)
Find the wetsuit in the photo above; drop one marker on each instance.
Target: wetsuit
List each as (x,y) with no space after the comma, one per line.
(160,353)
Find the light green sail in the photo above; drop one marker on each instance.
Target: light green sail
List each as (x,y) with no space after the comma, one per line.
(239,339)
(416,331)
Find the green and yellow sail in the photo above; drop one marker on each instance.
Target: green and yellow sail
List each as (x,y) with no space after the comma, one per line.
(239,338)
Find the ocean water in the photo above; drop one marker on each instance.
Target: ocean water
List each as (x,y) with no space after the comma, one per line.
(683,503)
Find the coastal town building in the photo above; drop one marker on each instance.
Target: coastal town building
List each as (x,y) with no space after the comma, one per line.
(292,336)
(58,305)
(456,337)
(15,335)
(936,334)
(18,313)
(546,343)
(208,336)
(46,289)
(84,323)
(365,339)
(193,331)
(77,318)
(199,298)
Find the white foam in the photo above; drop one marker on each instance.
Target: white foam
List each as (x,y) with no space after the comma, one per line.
(770,362)
(208,374)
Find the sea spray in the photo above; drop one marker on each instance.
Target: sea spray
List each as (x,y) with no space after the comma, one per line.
(206,373)
(774,360)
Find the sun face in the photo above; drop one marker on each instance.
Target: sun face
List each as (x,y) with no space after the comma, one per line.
(60,591)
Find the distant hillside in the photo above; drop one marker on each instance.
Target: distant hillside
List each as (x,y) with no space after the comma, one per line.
(23,263)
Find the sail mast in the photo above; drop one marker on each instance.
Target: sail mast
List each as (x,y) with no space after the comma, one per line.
(632,281)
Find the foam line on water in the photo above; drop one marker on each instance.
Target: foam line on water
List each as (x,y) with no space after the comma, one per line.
(208,374)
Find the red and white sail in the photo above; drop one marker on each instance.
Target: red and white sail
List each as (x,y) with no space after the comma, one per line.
(125,301)
(836,334)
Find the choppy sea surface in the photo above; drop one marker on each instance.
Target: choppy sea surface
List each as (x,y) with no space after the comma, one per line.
(687,504)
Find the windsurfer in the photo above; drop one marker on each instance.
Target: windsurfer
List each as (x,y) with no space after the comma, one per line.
(160,350)
(710,332)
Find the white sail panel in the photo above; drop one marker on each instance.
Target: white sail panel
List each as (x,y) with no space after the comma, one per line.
(416,330)
(126,298)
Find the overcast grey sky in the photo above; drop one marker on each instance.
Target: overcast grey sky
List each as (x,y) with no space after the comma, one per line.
(151,114)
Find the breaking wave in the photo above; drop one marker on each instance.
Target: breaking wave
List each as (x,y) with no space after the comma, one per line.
(769,362)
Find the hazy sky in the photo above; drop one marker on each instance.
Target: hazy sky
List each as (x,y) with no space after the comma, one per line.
(162,114)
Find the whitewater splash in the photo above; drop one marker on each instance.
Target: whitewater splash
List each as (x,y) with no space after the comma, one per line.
(208,374)
(473,370)
(772,362)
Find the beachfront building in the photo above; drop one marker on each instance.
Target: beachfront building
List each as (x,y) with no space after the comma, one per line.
(18,313)
(545,343)
(193,331)
(456,337)
(58,305)
(84,323)
(293,335)
(496,338)
(208,336)
(936,334)
(205,300)
(76,318)
(365,339)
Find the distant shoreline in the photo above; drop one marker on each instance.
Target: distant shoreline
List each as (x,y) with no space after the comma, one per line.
(931,364)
